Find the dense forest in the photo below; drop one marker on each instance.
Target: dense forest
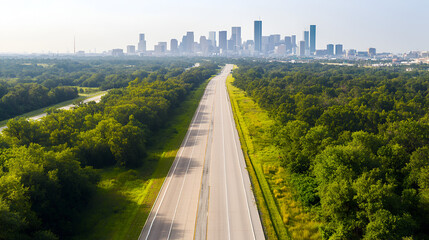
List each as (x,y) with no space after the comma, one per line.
(29,84)
(354,141)
(48,167)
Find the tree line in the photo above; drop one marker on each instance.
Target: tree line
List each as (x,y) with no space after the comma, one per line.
(354,141)
(30,84)
(48,167)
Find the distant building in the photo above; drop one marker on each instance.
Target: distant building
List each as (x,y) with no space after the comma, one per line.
(236,38)
(288,44)
(280,49)
(294,44)
(204,44)
(131,49)
(258,36)
(212,38)
(302,48)
(273,41)
(265,40)
(161,47)
(351,53)
(312,39)
(223,44)
(189,45)
(142,43)
(338,50)
(117,52)
(307,40)
(330,49)
(362,54)
(321,52)
(372,52)
(174,45)
(231,44)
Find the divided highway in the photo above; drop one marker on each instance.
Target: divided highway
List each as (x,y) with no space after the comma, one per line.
(207,192)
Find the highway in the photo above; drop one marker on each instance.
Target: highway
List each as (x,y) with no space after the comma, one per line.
(207,192)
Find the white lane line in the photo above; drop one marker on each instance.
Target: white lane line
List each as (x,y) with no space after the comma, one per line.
(224,167)
(241,173)
(172,174)
(184,179)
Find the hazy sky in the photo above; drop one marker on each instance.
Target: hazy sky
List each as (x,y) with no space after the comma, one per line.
(50,25)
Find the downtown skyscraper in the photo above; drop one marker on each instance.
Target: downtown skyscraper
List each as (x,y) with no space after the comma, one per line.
(142,43)
(223,43)
(258,36)
(236,38)
(312,39)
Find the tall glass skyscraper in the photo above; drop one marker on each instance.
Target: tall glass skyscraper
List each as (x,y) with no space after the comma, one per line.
(306,40)
(312,38)
(142,43)
(294,44)
(258,36)
(223,44)
(236,38)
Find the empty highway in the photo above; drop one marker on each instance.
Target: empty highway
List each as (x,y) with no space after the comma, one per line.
(207,192)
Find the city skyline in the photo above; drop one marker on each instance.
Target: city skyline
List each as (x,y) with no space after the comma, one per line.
(103,25)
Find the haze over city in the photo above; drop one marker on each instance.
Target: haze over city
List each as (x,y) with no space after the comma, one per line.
(50,26)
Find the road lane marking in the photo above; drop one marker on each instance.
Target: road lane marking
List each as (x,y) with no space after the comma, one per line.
(241,173)
(172,174)
(224,167)
(184,180)
(206,164)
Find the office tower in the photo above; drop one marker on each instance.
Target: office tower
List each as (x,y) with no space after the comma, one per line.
(351,53)
(236,38)
(173,45)
(183,44)
(280,49)
(306,40)
(372,52)
(312,39)
(248,45)
(273,41)
(142,43)
(294,44)
(223,44)
(204,44)
(288,44)
(258,36)
(212,38)
(189,46)
(338,50)
(265,40)
(302,48)
(330,49)
(131,49)
(161,47)
(231,44)
(117,52)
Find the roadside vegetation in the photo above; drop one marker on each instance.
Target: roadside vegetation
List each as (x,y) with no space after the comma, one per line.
(343,148)
(84,94)
(53,172)
(124,198)
(282,215)
(29,84)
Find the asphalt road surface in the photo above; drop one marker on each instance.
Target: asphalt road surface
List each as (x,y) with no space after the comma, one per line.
(207,192)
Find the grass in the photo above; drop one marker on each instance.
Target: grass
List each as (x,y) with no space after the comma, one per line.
(124,197)
(282,216)
(58,105)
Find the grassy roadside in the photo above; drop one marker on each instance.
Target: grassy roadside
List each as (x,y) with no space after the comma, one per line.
(282,216)
(124,197)
(82,96)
